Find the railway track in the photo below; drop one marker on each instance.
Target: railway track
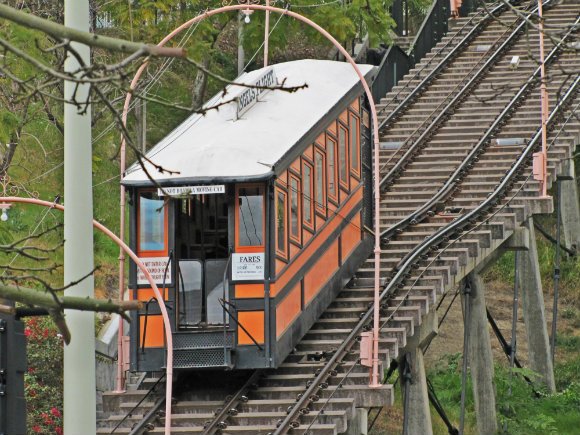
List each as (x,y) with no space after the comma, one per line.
(455,186)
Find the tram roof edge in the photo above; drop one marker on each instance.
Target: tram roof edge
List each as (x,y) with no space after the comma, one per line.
(217,147)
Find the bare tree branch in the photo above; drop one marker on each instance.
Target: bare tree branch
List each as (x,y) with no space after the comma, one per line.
(61,32)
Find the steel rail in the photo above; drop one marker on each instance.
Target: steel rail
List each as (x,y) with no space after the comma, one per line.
(230,407)
(446,113)
(418,90)
(486,221)
(145,425)
(492,200)
(130,413)
(428,123)
(432,242)
(482,223)
(457,176)
(421,87)
(468,24)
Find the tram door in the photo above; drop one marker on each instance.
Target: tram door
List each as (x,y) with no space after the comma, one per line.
(202,254)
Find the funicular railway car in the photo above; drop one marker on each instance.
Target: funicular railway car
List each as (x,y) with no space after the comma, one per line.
(261,222)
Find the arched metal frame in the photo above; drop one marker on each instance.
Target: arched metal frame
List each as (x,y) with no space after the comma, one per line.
(124,247)
(375,375)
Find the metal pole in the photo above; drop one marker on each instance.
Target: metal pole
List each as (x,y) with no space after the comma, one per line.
(79,355)
(544,105)
(266,34)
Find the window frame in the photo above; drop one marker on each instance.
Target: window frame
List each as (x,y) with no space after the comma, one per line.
(252,248)
(308,195)
(149,252)
(355,170)
(277,191)
(346,182)
(291,237)
(333,197)
(320,207)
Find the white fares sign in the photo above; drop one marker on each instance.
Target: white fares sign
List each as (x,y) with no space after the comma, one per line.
(192,190)
(156,266)
(248,267)
(249,97)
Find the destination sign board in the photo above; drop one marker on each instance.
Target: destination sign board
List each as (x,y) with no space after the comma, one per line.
(249,97)
(192,190)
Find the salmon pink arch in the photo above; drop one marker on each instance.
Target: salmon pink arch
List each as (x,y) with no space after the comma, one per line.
(124,247)
(375,375)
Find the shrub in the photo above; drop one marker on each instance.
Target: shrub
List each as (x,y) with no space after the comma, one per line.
(43,380)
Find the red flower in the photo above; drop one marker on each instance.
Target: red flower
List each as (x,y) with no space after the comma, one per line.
(36,429)
(58,430)
(27,332)
(55,412)
(45,333)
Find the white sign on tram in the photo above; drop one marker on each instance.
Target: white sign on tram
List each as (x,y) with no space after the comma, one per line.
(192,190)
(156,267)
(248,267)
(249,97)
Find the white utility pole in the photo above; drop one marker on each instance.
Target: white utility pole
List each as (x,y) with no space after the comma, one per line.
(79,355)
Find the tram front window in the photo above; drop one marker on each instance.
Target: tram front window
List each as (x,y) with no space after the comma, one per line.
(202,249)
(250,216)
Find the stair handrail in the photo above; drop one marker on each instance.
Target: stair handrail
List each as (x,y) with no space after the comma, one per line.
(225,293)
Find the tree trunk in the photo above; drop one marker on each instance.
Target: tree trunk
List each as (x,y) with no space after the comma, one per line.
(200,85)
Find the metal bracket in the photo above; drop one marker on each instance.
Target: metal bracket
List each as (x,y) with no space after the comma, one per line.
(366,349)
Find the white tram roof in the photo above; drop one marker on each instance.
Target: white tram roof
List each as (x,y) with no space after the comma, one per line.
(216,147)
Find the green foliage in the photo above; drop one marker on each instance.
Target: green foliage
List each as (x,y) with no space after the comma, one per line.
(518,409)
(568,342)
(8,124)
(43,381)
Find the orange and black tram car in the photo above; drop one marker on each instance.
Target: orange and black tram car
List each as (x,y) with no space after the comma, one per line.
(260,222)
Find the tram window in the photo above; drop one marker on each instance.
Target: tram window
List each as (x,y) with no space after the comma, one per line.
(250,216)
(331,156)
(294,208)
(342,154)
(354,143)
(307,194)
(151,222)
(281,222)
(319,179)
